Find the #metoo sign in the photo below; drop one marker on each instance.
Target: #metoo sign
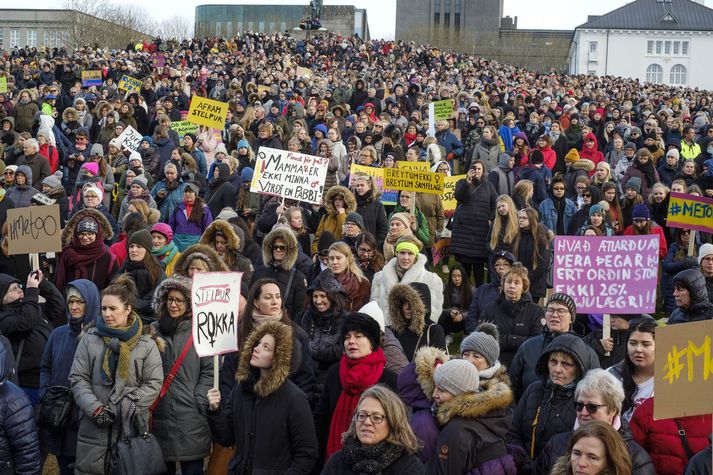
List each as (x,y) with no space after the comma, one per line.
(613,274)
(215,300)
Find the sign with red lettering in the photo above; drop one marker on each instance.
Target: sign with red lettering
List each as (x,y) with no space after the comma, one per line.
(215,300)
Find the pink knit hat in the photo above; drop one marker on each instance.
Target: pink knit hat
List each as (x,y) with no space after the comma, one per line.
(93,168)
(164,229)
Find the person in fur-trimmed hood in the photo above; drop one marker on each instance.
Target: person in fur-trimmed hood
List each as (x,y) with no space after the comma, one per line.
(267,418)
(473,421)
(279,254)
(199,258)
(221,236)
(408,311)
(338,203)
(179,421)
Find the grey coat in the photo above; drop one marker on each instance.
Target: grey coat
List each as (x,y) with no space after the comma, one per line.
(145,378)
(179,421)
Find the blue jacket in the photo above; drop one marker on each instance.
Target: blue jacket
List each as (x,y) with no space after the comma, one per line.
(57,362)
(548,214)
(167,206)
(450,142)
(19,444)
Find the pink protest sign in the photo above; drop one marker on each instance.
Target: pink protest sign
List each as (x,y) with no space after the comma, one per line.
(616,274)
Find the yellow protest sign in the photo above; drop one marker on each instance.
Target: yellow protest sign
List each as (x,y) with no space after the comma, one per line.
(3,84)
(207,112)
(91,78)
(690,212)
(415,166)
(683,366)
(423,182)
(442,109)
(129,84)
(449,187)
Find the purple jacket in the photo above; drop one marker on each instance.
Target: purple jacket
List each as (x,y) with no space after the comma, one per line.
(180,224)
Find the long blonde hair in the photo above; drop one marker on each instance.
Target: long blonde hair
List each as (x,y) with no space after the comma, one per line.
(352,266)
(511,226)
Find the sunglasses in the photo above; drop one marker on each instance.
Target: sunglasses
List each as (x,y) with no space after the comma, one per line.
(558,188)
(591,408)
(279,247)
(587,195)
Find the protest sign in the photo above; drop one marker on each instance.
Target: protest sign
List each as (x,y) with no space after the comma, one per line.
(423,182)
(440,250)
(215,298)
(207,112)
(608,274)
(130,138)
(683,367)
(183,127)
(449,187)
(3,85)
(303,72)
(442,109)
(290,175)
(33,230)
(129,84)
(414,166)
(690,212)
(158,61)
(388,197)
(91,78)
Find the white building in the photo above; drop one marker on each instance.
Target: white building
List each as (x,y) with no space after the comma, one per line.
(661,41)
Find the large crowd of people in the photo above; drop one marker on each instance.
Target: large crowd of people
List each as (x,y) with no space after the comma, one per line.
(358,354)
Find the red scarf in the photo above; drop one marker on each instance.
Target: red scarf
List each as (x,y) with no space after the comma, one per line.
(356,376)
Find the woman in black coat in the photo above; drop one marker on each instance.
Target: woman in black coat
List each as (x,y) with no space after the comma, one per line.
(471,222)
(266,417)
(533,250)
(370,208)
(145,270)
(221,193)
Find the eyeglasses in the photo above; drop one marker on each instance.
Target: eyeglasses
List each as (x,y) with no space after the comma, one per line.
(9,173)
(591,407)
(376,418)
(560,312)
(279,247)
(175,301)
(361,250)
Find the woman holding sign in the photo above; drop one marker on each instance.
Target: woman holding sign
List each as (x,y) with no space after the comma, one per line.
(179,421)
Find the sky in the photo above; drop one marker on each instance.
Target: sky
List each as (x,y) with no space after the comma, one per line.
(532,14)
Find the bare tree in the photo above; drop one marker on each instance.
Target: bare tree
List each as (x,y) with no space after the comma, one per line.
(175,28)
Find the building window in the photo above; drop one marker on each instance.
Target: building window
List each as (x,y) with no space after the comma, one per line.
(592,46)
(684,48)
(591,72)
(32,38)
(14,38)
(654,73)
(250,26)
(676,47)
(261,27)
(2,37)
(436,13)
(667,47)
(229,28)
(650,47)
(659,47)
(678,74)
(447,13)
(272,27)
(283,26)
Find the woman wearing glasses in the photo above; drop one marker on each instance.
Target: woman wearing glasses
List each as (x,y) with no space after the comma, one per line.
(267,417)
(597,397)
(179,422)
(379,438)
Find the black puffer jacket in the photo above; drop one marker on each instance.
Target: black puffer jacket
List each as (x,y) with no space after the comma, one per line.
(516,321)
(19,444)
(700,308)
(616,355)
(221,193)
(374,216)
(557,446)
(537,270)
(546,408)
(472,218)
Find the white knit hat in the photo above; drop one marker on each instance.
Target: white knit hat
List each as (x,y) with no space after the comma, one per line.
(705,250)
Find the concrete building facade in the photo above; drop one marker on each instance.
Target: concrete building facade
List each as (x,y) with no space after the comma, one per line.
(228,20)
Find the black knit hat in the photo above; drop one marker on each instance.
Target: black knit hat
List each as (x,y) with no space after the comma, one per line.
(565,300)
(142,238)
(326,239)
(361,322)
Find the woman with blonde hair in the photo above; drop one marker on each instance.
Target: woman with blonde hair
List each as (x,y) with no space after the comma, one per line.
(504,231)
(379,439)
(595,448)
(348,273)
(152,215)
(522,195)
(295,219)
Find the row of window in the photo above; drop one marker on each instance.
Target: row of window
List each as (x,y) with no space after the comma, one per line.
(447,14)
(676,48)
(52,38)
(226,29)
(678,74)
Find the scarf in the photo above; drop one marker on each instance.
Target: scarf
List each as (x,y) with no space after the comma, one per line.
(355,376)
(119,341)
(648,171)
(260,318)
(488,143)
(370,459)
(350,283)
(78,258)
(166,253)
(168,324)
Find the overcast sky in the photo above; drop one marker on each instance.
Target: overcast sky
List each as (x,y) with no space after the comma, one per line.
(551,15)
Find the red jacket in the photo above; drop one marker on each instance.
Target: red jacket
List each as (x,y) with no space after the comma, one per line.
(120,248)
(50,153)
(655,229)
(661,440)
(592,153)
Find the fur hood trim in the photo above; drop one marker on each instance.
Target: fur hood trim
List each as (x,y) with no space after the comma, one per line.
(349,200)
(201,251)
(158,339)
(281,232)
(425,362)
(583,164)
(176,282)
(107,232)
(282,358)
(226,229)
(475,405)
(99,106)
(399,295)
(70,114)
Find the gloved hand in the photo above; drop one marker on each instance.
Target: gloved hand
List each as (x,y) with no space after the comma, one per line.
(103,416)
(450,156)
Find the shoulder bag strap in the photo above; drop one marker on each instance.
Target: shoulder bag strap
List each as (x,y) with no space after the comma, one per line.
(172,374)
(684,439)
